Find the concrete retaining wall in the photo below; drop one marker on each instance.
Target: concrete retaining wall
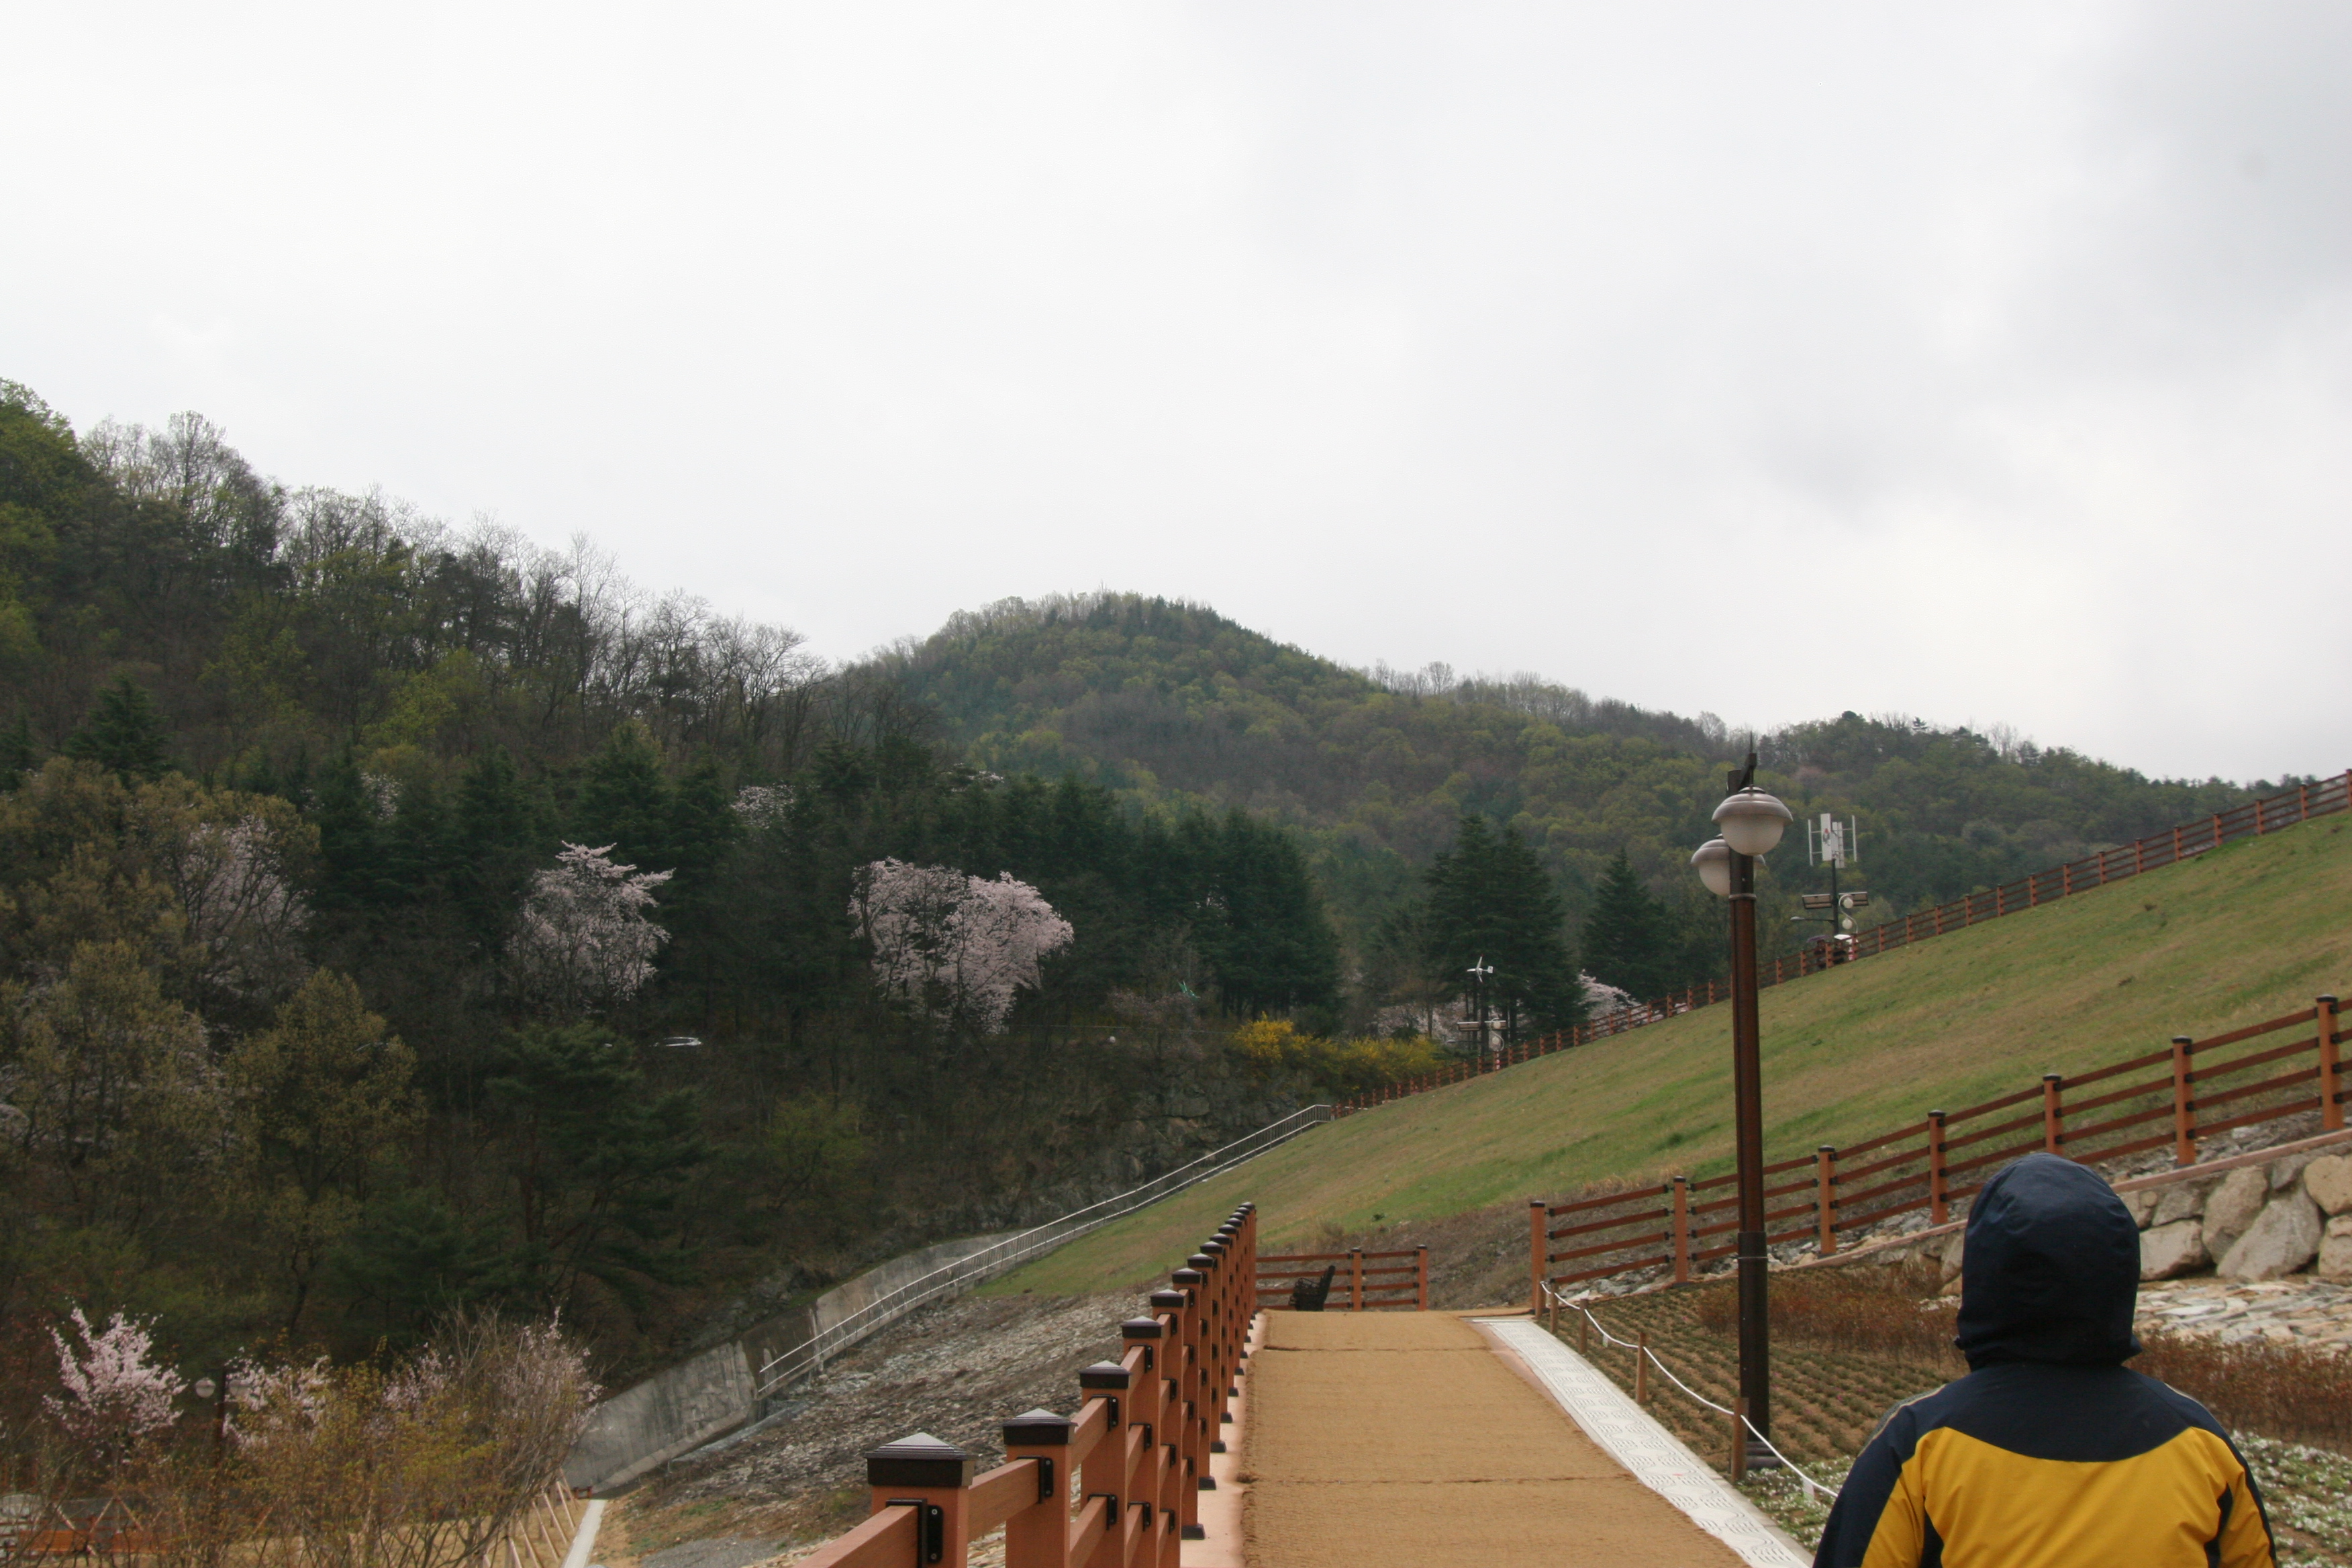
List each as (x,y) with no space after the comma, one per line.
(677,1411)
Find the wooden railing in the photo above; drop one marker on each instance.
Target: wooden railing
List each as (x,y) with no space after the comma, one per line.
(1360,1282)
(2253,819)
(2189,1091)
(1117,1485)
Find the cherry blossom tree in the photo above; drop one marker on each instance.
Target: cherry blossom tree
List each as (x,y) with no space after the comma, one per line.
(232,882)
(584,938)
(115,1392)
(957,946)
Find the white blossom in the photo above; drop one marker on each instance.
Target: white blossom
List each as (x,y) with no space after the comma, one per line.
(957,945)
(240,905)
(382,793)
(114,1395)
(763,805)
(584,938)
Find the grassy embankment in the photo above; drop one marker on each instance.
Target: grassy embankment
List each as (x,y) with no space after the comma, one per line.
(2251,931)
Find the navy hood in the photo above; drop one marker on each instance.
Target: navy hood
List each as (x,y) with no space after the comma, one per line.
(2051,1269)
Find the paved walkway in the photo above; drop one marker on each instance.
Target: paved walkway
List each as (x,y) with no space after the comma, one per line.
(1406,1438)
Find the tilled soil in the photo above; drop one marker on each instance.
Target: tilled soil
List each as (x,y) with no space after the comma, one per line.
(954,1369)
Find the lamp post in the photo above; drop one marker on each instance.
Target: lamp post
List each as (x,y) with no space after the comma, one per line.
(1478,973)
(1751,822)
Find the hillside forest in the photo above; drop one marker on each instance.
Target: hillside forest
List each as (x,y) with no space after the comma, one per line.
(396,918)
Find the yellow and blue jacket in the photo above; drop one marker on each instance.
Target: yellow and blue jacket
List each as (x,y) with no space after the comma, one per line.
(2050,1454)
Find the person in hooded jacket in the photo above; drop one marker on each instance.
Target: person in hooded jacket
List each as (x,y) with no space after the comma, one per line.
(2050,1452)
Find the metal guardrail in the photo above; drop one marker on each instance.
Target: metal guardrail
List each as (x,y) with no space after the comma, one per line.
(780,1372)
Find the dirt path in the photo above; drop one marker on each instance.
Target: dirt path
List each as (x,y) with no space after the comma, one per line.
(1401,1438)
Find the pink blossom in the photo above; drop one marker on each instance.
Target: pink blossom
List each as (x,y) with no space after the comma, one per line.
(959,945)
(114,1395)
(583,937)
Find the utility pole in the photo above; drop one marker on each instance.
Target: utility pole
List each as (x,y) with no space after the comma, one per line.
(1478,973)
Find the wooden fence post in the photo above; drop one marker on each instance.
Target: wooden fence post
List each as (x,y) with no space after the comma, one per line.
(1936,1214)
(936,1477)
(1181,1362)
(1355,1279)
(2331,1109)
(1040,1537)
(1824,1198)
(2184,1105)
(2053,1129)
(1421,1279)
(1539,1243)
(1681,1188)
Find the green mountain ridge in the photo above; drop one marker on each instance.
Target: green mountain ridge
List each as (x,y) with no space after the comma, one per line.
(1167,703)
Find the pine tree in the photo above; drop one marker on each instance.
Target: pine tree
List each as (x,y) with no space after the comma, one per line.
(1628,941)
(1259,919)
(124,735)
(17,755)
(624,801)
(1490,898)
(499,841)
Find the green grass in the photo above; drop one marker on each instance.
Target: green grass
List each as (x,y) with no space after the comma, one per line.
(2251,931)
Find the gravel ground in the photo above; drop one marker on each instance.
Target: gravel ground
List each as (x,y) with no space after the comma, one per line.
(954,1369)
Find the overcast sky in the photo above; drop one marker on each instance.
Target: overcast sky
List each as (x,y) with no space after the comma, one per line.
(1986,362)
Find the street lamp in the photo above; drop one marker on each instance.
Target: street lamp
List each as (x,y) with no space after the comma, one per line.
(1752,822)
(1478,973)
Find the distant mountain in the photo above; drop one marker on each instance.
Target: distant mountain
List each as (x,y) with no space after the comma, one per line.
(1169,702)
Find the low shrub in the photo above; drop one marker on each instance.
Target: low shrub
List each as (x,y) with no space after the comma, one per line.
(2296,1391)
(420,1464)
(1338,1067)
(2300,1393)
(1890,1311)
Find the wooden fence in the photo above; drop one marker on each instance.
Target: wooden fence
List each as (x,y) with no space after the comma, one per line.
(2189,1091)
(1369,1281)
(1118,1484)
(2253,819)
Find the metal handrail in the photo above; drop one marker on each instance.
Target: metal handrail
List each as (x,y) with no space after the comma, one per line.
(781,1370)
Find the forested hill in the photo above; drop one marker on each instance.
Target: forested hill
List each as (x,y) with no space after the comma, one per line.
(304,807)
(1165,701)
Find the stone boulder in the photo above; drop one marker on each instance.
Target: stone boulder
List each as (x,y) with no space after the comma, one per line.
(2231,1208)
(2284,1237)
(2179,1201)
(2142,1204)
(1953,1249)
(2286,1168)
(2329,1180)
(2336,1250)
(2168,1251)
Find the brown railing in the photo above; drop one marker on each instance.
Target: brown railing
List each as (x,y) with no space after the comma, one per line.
(1360,1282)
(2189,1091)
(1138,1449)
(2253,819)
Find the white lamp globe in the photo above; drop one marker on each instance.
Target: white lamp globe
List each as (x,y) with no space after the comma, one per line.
(1752,821)
(1713,862)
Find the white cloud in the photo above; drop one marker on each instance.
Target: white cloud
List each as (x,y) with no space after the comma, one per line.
(1637,346)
